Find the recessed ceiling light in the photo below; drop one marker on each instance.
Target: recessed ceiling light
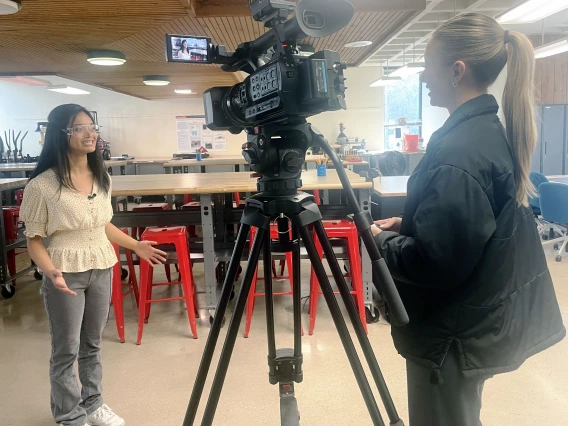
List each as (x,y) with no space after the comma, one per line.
(359,44)
(156,80)
(183,91)
(107,58)
(9,7)
(68,90)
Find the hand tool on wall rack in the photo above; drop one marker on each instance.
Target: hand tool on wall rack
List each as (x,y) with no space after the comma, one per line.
(15,142)
(22,146)
(1,149)
(9,151)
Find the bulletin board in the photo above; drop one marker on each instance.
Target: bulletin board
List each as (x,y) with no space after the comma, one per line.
(192,134)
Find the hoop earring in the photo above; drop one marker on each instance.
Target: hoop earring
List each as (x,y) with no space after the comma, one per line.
(455,84)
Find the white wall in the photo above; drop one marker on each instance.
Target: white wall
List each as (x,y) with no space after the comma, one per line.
(364,116)
(133,126)
(434,117)
(148,128)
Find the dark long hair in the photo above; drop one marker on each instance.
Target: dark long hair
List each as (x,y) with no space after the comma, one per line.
(54,154)
(186,46)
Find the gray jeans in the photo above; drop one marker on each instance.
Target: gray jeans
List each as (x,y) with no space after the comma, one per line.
(76,324)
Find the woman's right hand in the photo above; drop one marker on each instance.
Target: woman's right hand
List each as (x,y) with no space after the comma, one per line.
(56,277)
(392,224)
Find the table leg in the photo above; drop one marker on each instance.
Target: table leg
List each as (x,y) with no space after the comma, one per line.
(169,198)
(365,203)
(209,256)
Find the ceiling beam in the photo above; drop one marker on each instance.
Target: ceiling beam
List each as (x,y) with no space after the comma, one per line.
(190,7)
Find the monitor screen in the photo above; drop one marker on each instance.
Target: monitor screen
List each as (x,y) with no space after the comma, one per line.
(190,49)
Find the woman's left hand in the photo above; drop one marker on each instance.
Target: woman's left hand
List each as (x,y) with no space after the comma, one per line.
(375,230)
(146,251)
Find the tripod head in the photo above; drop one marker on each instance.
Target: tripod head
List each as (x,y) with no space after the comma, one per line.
(277,153)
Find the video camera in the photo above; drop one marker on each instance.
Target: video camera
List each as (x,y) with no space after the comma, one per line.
(283,84)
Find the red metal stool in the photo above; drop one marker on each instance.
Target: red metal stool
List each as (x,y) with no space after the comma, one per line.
(137,232)
(176,236)
(253,293)
(117,288)
(11,223)
(348,231)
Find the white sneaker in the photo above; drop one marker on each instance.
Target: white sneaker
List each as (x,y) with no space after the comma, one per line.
(104,416)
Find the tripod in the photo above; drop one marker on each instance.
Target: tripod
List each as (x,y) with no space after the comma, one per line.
(294,212)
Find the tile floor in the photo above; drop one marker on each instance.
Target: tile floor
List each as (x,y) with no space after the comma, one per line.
(150,385)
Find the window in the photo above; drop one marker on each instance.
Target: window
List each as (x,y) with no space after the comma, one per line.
(402,100)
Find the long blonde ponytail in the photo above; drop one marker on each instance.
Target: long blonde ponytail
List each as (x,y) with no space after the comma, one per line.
(518,108)
(481,43)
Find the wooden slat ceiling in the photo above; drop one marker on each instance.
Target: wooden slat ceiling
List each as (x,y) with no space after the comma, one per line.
(54,36)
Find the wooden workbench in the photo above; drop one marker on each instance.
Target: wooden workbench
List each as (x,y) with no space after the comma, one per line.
(30,167)
(207,185)
(12,183)
(218,183)
(390,186)
(389,196)
(17,167)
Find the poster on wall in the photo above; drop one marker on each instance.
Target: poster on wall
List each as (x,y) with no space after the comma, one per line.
(192,134)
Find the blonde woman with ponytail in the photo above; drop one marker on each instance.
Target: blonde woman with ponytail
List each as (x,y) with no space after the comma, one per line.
(466,255)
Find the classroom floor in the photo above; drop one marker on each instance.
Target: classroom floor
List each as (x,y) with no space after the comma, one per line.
(150,385)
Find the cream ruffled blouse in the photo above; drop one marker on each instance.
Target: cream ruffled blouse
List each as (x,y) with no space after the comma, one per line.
(75,223)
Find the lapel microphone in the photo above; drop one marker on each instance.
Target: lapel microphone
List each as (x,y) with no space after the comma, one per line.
(91,197)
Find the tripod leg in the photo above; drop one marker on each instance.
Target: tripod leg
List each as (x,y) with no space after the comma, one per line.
(269,298)
(359,330)
(341,327)
(297,297)
(233,326)
(216,326)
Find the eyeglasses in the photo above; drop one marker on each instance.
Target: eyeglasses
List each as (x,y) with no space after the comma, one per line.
(82,129)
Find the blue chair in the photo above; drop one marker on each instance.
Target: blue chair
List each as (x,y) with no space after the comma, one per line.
(536,179)
(554,209)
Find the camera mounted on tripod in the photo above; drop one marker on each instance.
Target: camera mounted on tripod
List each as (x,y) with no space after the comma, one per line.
(283,88)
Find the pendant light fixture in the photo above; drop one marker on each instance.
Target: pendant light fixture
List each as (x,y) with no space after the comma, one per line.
(156,80)
(9,7)
(107,58)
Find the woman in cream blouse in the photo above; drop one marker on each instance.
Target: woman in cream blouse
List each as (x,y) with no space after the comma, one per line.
(68,199)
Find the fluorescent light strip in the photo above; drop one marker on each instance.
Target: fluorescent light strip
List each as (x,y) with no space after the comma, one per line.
(385,81)
(408,69)
(532,11)
(551,49)
(68,90)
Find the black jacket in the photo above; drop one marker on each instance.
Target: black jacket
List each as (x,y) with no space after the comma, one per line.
(468,262)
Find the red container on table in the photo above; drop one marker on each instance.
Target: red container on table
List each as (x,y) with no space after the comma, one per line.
(411,143)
